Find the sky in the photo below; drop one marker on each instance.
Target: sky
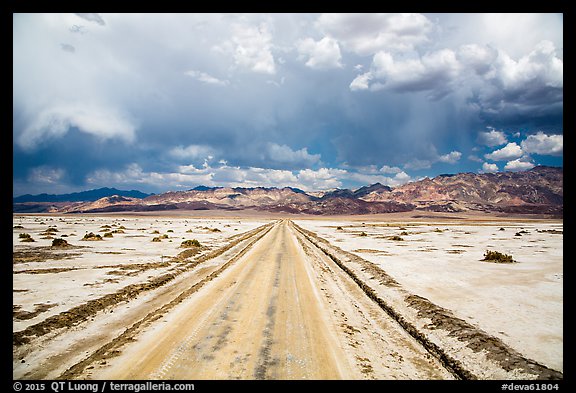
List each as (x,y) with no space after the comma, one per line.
(167,102)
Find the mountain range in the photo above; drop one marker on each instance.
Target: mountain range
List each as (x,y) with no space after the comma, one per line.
(538,190)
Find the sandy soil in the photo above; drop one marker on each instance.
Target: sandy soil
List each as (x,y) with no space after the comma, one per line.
(265,299)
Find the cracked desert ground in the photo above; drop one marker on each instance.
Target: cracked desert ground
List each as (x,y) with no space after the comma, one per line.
(397,296)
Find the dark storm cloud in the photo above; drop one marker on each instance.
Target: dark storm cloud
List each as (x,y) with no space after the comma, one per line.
(286,99)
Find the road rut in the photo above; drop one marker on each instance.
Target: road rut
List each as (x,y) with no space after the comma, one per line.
(283,310)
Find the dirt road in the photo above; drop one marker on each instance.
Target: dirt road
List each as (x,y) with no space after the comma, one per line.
(281,311)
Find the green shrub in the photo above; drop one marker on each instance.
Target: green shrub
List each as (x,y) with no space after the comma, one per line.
(497,257)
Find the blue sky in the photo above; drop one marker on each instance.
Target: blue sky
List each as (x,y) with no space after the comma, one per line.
(160,102)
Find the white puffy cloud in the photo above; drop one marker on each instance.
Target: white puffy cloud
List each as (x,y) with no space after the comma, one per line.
(56,120)
(518,165)
(450,158)
(492,138)
(189,176)
(321,54)
(253,45)
(541,143)
(361,82)
(533,84)
(434,71)
(508,152)
(285,155)
(477,57)
(192,152)
(366,34)
(489,168)
(321,179)
(390,169)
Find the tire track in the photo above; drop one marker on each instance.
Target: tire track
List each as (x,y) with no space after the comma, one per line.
(111,348)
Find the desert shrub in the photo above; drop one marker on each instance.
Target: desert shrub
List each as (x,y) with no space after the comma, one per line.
(191,243)
(339,229)
(164,236)
(156,232)
(25,237)
(169,230)
(52,229)
(363,234)
(396,238)
(117,231)
(404,233)
(108,234)
(438,230)
(18,227)
(498,257)
(215,230)
(59,243)
(501,229)
(189,231)
(156,239)
(91,237)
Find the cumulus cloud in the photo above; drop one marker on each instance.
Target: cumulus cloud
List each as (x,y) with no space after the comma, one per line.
(450,158)
(293,158)
(434,72)
(532,84)
(56,121)
(477,57)
(508,152)
(540,143)
(189,176)
(366,34)
(193,152)
(321,54)
(390,169)
(253,45)
(489,168)
(321,179)
(518,165)
(492,138)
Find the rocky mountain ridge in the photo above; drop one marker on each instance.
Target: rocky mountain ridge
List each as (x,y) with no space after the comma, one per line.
(539,190)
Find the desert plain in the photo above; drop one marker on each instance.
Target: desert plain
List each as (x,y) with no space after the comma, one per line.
(272,296)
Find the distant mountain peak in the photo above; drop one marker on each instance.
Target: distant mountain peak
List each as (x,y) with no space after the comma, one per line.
(536,191)
(83,196)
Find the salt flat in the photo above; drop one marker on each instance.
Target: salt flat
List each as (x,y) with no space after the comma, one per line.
(520,303)
(73,306)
